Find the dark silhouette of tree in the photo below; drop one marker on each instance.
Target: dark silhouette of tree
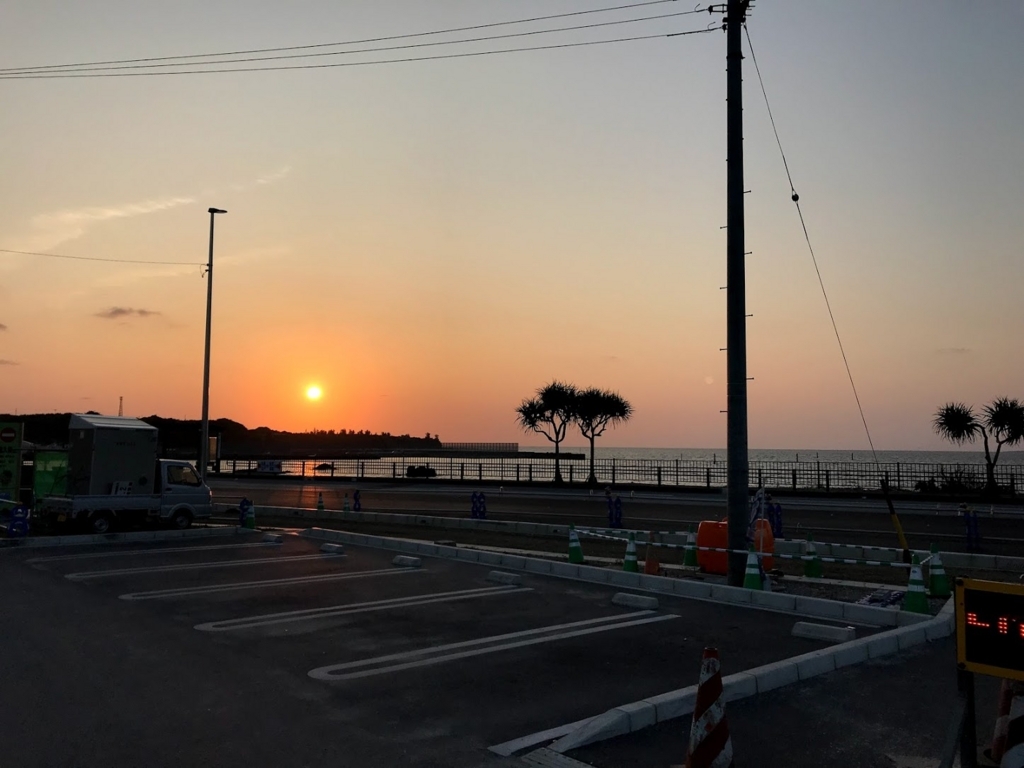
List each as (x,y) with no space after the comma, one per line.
(550,413)
(596,410)
(1002,420)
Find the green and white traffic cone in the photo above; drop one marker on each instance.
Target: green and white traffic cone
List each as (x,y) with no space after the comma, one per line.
(690,553)
(345,505)
(812,565)
(575,550)
(916,600)
(630,563)
(752,574)
(320,503)
(938,582)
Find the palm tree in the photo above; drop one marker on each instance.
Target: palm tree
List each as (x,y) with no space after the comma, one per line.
(550,413)
(1002,420)
(596,409)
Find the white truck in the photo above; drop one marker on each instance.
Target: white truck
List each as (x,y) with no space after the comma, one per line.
(115,478)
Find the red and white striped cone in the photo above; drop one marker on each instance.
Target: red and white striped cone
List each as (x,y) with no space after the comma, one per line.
(1013,757)
(998,746)
(710,745)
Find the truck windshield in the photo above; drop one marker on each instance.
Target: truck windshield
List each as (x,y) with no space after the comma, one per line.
(178,475)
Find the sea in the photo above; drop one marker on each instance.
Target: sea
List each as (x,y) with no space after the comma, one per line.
(715,455)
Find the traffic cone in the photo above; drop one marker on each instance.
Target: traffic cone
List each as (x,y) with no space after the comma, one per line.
(651,564)
(812,567)
(344,505)
(710,745)
(320,503)
(752,575)
(938,583)
(998,745)
(630,564)
(690,553)
(916,600)
(575,550)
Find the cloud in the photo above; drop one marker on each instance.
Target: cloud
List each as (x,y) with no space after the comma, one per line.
(116,313)
(953,351)
(277,175)
(51,229)
(3,327)
(709,379)
(7,362)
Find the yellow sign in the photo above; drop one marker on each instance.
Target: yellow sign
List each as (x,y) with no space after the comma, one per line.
(990,628)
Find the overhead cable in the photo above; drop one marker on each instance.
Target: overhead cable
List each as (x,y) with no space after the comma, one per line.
(469,54)
(362,41)
(803,225)
(97,258)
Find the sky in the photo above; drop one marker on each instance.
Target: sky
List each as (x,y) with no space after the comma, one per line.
(431,241)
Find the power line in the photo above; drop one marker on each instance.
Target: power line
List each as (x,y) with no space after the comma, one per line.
(97,258)
(377,49)
(345,42)
(357,63)
(803,225)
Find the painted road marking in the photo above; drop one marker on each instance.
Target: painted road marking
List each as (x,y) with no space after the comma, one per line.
(436,654)
(146,552)
(158,594)
(310,614)
(195,566)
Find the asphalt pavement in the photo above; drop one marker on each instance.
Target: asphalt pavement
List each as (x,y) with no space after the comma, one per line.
(892,712)
(851,521)
(224,651)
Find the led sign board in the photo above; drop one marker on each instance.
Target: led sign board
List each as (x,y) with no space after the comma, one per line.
(990,628)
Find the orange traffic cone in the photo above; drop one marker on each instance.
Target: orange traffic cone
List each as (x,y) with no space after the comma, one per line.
(651,564)
(710,745)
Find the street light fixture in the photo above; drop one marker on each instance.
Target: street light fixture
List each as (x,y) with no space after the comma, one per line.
(204,447)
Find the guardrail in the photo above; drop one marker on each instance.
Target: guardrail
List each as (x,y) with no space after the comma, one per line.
(830,475)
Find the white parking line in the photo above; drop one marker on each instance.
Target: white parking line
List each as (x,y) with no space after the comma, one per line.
(310,614)
(88,555)
(548,634)
(196,566)
(159,594)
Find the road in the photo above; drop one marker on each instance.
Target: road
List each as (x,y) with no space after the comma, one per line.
(223,651)
(852,521)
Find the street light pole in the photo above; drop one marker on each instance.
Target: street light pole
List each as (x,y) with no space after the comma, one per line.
(204,447)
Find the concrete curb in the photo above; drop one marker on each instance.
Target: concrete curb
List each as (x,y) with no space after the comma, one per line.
(674,704)
(795,605)
(41,542)
(783,546)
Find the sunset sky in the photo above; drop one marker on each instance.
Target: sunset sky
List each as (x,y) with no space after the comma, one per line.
(429,242)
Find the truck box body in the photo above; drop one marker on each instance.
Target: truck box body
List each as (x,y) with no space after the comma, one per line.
(111,454)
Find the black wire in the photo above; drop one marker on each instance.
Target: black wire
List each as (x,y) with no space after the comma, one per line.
(378,49)
(96,258)
(344,42)
(358,63)
(803,225)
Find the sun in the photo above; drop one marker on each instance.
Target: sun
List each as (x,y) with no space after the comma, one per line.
(314,392)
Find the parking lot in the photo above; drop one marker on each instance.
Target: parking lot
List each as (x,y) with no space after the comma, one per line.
(229,651)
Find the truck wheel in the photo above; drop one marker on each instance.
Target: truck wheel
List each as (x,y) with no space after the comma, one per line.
(181,519)
(101,522)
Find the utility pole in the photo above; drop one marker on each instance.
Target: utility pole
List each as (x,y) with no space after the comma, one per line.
(204,446)
(737,485)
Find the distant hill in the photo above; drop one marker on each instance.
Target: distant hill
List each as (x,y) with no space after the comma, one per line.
(180,438)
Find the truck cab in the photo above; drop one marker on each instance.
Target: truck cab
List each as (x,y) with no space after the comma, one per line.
(183,494)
